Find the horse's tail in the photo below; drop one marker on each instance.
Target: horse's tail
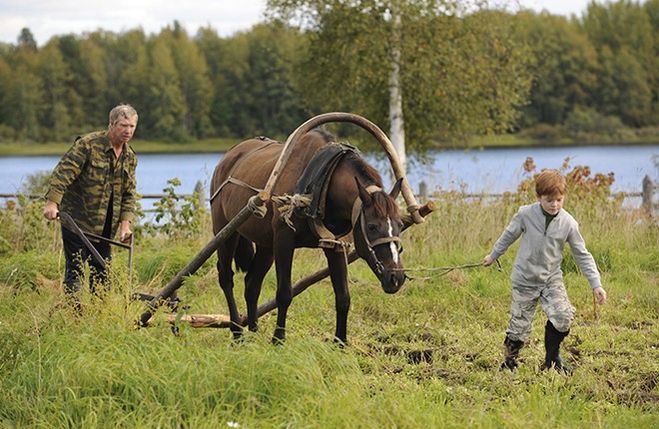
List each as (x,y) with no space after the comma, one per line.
(244,254)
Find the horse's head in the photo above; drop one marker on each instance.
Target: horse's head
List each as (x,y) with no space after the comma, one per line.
(376,229)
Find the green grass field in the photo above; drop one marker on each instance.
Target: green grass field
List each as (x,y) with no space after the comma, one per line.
(426,357)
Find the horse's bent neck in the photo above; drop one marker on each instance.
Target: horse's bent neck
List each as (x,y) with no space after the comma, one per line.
(343,192)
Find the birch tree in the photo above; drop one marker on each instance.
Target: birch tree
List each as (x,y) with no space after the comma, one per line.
(427,69)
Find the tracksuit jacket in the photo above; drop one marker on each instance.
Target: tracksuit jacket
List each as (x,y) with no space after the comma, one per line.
(539,257)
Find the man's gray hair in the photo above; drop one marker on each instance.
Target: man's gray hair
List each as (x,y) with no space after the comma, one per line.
(125,111)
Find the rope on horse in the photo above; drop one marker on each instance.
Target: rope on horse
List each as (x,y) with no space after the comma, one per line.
(447,269)
(257,210)
(288,203)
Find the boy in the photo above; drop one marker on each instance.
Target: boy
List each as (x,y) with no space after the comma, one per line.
(544,227)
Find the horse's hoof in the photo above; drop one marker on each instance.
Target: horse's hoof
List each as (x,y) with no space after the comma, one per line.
(279,337)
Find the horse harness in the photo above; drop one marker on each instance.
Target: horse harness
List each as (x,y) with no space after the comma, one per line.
(358,214)
(310,198)
(238,181)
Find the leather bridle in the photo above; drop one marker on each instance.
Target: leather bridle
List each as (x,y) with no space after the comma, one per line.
(358,216)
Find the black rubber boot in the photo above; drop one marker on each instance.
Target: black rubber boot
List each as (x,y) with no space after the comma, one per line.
(553,339)
(512,352)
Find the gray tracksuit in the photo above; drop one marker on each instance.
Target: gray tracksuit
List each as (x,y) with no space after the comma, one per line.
(537,271)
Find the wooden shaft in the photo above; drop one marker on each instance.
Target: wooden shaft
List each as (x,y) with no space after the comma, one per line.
(314,278)
(223,321)
(201,320)
(199,260)
(130,259)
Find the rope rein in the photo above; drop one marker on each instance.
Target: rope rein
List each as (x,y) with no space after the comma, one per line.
(447,269)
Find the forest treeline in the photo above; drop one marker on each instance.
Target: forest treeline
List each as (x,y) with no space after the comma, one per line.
(594,74)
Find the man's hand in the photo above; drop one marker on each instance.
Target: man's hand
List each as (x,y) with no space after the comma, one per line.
(124,231)
(600,295)
(51,212)
(487,261)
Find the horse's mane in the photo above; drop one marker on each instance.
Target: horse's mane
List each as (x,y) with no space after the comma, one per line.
(324,134)
(383,205)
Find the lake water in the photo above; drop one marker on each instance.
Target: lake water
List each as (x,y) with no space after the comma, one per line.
(488,170)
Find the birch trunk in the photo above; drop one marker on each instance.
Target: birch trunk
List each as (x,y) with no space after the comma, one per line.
(396,120)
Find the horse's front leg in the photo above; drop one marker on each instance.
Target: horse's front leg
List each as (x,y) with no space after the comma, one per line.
(225,276)
(338,268)
(253,282)
(283,253)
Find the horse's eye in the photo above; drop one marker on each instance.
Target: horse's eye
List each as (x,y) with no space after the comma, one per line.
(372,227)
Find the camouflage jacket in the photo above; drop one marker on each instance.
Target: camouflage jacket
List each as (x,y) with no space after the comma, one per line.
(85,178)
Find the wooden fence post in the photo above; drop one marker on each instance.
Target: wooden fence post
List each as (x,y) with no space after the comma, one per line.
(199,192)
(423,191)
(648,195)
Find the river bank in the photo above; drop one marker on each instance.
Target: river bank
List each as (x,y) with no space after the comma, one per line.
(217,145)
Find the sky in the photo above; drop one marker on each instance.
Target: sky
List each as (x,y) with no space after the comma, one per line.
(46,18)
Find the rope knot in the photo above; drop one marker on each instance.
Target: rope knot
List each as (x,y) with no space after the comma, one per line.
(257,209)
(288,203)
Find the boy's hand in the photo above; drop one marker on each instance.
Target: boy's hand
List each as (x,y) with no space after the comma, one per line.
(600,295)
(487,261)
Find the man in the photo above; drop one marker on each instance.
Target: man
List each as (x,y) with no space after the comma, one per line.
(95,183)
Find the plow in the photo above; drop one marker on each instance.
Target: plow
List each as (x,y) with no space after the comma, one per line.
(257,206)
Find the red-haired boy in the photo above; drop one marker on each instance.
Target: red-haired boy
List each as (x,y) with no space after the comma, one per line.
(545,228)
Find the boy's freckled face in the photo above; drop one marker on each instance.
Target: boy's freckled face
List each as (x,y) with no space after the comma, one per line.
(552,204)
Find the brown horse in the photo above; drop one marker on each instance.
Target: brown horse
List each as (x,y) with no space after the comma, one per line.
(354,200)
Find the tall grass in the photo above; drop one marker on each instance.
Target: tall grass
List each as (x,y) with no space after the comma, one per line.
(425,357)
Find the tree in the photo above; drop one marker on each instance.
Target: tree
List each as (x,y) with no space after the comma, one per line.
(166,103)
(215,51)
(427,64)
(275,106)
(129,77)
(253,77)
(623,89)
(652,10)
(26,40)
(57,114)
(22,101)
(624,34)
(92,75)
(195,84)
(564,69)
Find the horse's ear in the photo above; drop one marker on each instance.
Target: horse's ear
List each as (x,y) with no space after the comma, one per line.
(366,198)
(396,189)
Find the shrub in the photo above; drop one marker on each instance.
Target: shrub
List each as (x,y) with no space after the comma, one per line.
(545,133)
(177,216)
(588,125)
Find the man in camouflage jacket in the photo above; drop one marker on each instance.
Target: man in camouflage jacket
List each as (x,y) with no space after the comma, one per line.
(95,183)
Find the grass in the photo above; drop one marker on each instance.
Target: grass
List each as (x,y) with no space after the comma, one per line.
(425,357)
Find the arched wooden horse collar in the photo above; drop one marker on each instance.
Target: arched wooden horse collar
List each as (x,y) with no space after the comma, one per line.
(374,130)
